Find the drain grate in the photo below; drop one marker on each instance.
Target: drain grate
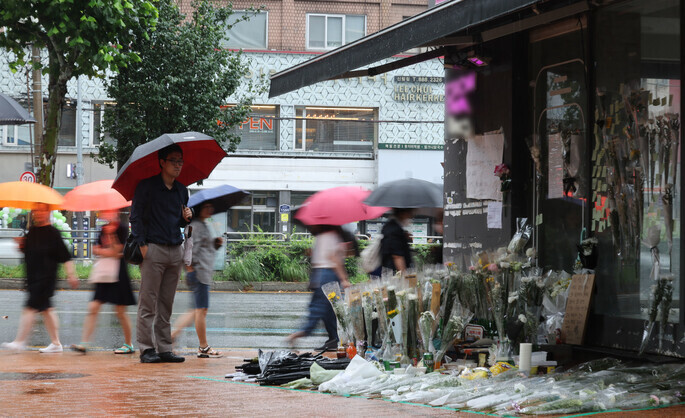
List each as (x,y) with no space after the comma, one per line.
(39,376)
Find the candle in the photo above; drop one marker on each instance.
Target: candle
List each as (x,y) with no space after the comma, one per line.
(525,353)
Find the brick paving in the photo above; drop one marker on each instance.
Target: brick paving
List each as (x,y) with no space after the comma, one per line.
(118,385)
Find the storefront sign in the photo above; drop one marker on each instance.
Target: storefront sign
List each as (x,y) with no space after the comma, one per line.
(418,79)
(430,147)
(284,209)
(413,93)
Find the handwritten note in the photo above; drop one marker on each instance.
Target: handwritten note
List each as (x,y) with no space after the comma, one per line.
(555,182)
(577,308)
(484,153)
(495,215)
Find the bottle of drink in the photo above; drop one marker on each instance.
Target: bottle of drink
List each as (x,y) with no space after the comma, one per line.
(341,353)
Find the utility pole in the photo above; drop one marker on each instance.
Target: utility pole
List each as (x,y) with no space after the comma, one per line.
(37,91)
(81,251)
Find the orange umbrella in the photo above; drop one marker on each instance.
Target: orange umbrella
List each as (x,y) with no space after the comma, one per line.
(25,195)
(98,195)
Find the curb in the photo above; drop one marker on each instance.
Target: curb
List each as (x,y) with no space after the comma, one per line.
(18,284)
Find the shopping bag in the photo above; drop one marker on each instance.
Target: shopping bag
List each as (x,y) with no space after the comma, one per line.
(105,270)
(371,255)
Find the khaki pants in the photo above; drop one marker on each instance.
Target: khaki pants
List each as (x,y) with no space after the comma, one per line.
(160,272)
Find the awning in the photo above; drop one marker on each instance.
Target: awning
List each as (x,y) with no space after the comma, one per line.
(436,27)
(438,22)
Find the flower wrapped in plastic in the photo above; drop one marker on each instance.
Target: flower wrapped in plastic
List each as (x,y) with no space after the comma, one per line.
(334,296)
(426,321)
(412,321)
(453,329)
(367,308)
(354,303)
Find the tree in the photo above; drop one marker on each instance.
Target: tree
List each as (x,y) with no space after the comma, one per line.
(181,83)
(82,37)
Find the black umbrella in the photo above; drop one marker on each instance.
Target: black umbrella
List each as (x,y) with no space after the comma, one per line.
(11,112)
(221,197)
(407,193)
(201,153)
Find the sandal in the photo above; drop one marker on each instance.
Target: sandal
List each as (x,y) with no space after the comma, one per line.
(208,352)
(125,349)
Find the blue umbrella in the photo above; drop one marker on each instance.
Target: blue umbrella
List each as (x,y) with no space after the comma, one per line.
(221,197)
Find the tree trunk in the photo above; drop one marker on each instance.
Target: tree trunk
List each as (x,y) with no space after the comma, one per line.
(57,91)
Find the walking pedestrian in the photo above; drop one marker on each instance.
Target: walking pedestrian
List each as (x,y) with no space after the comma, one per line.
(43,250)
(158,212)
(199,277)
(328,265)
(395,250)
(119,293)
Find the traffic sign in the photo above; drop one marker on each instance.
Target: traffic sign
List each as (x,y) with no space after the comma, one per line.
(28,177)
(284,209)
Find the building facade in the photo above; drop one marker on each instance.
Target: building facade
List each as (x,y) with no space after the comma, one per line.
(361,131)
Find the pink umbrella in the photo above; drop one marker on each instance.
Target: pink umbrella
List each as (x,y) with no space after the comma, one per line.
(338,206)
(98,195)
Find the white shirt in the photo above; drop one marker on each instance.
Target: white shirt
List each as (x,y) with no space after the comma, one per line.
(328,246)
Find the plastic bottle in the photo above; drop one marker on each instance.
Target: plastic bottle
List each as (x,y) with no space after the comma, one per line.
(351,350)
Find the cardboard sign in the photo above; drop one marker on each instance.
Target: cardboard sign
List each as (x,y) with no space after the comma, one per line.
(577,308)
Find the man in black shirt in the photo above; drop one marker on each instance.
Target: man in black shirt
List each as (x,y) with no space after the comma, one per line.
(395,249)
(158,212)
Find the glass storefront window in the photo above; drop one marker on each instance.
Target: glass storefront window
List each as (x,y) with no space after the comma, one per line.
(636,158)
(260,131)
(329,129)
(257,212)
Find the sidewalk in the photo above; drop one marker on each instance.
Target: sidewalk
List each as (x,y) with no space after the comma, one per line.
(105,384)
(7,283)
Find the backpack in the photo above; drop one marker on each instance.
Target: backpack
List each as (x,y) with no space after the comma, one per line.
(371,255)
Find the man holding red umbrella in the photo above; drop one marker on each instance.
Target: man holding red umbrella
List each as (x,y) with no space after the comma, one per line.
(158,212)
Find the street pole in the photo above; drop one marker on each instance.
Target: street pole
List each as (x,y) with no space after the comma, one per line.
(37,93)
(80,252)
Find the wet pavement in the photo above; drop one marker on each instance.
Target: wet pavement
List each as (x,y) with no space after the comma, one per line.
(106,384)
(101,383)
(235,320)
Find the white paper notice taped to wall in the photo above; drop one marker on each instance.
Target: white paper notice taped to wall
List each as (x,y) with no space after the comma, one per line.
(555,181)
(484,153)
(495,215)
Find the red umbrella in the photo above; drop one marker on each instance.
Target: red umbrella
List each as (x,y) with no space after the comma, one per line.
(338,206)
(201,153)
(98,195)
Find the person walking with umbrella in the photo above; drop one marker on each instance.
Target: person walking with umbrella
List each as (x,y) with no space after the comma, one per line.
(199,277)
(199,269)
(158,212)
(324,212)
(119,293)
(395,245)
(43,250)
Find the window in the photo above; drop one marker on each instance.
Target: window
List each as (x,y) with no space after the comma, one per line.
(248,34)
(257,212)
(260,131)
(98,135)
(332,31)
(67,128)
(16,134)
(12,135)
(330,129)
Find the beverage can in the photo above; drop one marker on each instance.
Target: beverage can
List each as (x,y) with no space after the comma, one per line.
(429,362)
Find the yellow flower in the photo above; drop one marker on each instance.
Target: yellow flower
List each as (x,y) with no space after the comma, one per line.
(391,314)
(331,296)
(490,279)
